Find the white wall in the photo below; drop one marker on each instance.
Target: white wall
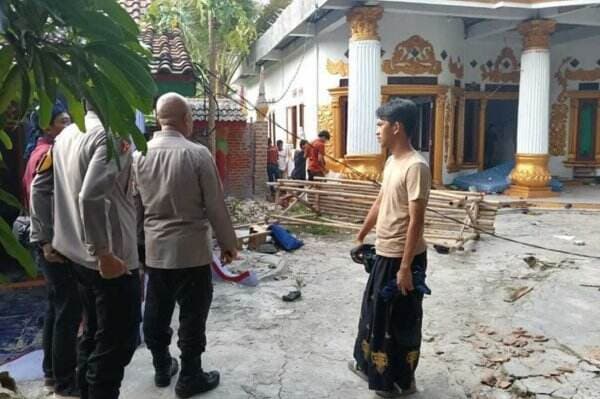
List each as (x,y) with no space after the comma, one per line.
(313,80)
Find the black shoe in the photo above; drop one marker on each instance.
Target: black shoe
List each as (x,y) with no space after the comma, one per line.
(163,374)
(188,386)
(67,393)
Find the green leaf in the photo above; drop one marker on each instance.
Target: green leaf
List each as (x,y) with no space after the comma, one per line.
(6,60)
(15,249)
(9,199)
(76,109)
(10,88)
(125,85)
(98,26)
(5,139)
(121,16)
(4,279)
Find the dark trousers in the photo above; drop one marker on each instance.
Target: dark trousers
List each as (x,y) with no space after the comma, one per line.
(272,174)
(192,289)
(111,311)
(312,175)
(388,343)
(61,322)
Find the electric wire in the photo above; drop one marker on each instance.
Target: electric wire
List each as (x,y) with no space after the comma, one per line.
(367,178)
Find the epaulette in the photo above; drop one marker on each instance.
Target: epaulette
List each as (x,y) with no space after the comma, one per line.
(45,164)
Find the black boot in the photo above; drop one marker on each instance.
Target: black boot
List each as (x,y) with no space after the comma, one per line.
(193,380)
(165,367)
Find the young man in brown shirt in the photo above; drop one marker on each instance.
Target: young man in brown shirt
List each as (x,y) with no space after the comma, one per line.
(387,347)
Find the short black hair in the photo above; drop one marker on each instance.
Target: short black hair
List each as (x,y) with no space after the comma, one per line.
(324,134)
(303,142)
(400,110)
(279,142)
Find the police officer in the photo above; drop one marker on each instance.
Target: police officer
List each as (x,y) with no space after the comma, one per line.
(182,199)
(90,223)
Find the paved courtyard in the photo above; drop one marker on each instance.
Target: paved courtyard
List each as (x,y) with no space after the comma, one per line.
(545,344)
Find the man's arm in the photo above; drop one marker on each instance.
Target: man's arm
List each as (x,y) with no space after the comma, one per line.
(370,220)
(418,183)
(97,185)
(216,210)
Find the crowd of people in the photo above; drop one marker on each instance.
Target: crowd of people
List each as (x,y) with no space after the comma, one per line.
(86,207)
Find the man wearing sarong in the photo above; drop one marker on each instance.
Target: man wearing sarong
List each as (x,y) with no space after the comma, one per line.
(388,344)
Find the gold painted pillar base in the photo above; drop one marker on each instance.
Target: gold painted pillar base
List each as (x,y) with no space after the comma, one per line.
(364,167)
(531,178)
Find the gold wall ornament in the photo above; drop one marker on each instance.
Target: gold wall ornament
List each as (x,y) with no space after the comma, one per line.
(364,167)
(363,22)
(506,69)
(338,67)
(583,74)
(415,56)
(530,178)
(559,112)
(536,33)
(457,68)
(380,360)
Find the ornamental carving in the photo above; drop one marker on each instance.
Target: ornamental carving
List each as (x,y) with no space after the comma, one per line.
(338,67)
(536,33)
(506,69)
(583,74)
(363,22)
(559,113)
(531,171)
(415,56)
(457,68)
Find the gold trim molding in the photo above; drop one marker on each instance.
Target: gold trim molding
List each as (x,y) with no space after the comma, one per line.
(559,113)
(415,56)
(506,69)
(457,68)
(338,67)
(536,33)
(363,22)
(326,122)
(531,170)
(364,167)
(583,74)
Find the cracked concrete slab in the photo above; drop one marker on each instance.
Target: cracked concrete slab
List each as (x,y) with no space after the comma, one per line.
(266,348)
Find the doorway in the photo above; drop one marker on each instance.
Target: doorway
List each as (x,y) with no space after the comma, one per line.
(422,139)
(500,132)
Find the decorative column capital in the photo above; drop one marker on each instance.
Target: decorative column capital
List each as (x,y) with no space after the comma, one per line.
(536,33)
(363,22)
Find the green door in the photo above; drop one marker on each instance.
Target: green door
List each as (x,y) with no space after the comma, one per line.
(586,130)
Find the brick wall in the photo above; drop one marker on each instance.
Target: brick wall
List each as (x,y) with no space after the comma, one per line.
(241,156)
(260,132)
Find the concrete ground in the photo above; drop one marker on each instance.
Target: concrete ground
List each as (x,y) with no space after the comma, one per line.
(544,345)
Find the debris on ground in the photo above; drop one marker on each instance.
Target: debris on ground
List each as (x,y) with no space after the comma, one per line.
(245,212)
(518,293)
(292,296)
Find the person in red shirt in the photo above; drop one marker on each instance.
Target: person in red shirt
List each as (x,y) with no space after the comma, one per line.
(315,153)
(272,165)
(60,120)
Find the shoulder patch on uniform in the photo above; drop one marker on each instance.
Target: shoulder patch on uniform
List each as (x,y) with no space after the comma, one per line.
(46,163)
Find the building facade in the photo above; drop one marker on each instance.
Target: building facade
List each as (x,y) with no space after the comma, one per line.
(494,82)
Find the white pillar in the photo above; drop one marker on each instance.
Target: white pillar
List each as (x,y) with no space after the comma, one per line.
(531,178)
(364,87)
(534,101)
(364,97)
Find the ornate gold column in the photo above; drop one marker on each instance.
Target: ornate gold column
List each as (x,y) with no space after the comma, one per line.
(363,152)
(531,177)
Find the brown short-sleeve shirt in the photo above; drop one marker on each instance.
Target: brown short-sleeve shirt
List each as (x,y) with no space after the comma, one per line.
(404,180)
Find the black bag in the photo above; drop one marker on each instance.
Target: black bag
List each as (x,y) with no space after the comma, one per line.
(364,255)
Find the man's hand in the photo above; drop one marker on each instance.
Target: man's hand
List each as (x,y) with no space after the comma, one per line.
(404,280)
(228,256)
(51,255)
(111,267)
